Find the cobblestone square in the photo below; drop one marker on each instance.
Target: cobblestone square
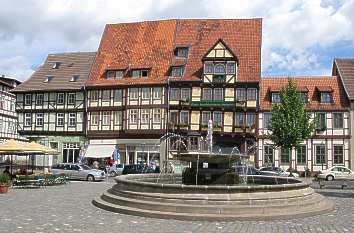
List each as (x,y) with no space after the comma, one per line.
(68,208)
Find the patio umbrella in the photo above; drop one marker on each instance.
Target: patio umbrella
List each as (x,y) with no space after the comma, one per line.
(11,146)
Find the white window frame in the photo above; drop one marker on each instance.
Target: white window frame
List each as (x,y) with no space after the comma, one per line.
(133,116)
(95,118)
(145,93)
(42,98)
(157,92)
(28,99)
(94,95)
(71,98)
(39,119)
(72,120)
(60,116)
(28,116)
(134,93)
(106,117)
(145,116)
(157,115)
(61,97)
(118,118)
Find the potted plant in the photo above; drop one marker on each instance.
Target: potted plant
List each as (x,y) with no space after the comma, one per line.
(5,182)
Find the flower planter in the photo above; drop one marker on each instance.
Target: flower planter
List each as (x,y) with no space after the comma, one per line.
(4,188)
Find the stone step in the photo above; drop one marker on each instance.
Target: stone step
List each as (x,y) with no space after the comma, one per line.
(207,207)
(319,209)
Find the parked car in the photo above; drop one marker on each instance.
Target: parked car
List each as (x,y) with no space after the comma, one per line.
(78,171)
(277,171)
(246,170)
(138,169)
(115,169)
(336,172)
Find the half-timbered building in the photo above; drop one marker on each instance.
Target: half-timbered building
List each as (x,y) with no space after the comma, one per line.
(328,105)
(51,104)
(8,116)
(155,77)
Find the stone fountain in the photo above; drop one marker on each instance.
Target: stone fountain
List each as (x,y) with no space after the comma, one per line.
(210,194)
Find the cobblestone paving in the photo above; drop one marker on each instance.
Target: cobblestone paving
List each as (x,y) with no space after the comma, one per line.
(68,208)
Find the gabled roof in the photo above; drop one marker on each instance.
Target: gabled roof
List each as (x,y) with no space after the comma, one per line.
(71,64)
(153,43)
(8,81)
(312,84)
(344,67)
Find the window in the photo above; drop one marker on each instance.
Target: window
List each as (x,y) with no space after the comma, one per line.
(56,65)
(157,116)
(118,95)
(72,119)
(338,120)
(276,97)
(184,120)
(267,120)
(174,94)
(157,92)
(218,94)
(47,79)
(320,154)
(95,118)
(185,94)
(2,103)
(217,119)
(338,154)
(134,93)
(106,115)
(1,125)
(117,117)
(174,117)
(240,94)
(285,155)
(207,94)
(139,73)
(28,99)
(39,119)
(268,155)
(181,52)
(326,97)
(206,116)
(219,69)
(94,95)
(28,119)
(39,99)
(106,95)
(208,68)
(114,74)
(239,119)
(230,68)
(60,98)
(60,119)
(74,78)
(320,121)
(133,117)
(71,98)
(145,115)
(304,97)
(301,154)
(145,93)
(177,71)
(251,94)
(250,120)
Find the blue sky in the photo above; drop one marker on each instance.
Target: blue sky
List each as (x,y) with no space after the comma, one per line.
(300,37)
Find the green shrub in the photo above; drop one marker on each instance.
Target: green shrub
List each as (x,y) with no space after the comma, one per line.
(5,179)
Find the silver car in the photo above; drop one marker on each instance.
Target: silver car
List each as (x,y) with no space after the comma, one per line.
(78,171)
(336,173)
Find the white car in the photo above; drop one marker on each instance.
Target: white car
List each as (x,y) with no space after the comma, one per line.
(277,171)
(336,173)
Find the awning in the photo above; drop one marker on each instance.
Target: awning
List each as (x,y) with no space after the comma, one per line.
(99,151)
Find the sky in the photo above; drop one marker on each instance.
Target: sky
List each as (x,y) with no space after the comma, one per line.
(300,37)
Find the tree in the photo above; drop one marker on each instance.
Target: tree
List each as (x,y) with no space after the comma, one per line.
(290,122)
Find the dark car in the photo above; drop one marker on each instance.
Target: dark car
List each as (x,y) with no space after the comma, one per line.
(138,169)
(246,170)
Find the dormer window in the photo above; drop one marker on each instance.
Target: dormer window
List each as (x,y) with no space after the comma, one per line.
(177,71)
(304,97)
(114,74)
(74,78)
(230,68)
(140,73)
(181,52)
(326,97)
(56,65)
(47,79)
(219,69)
(276,97)
(208,68)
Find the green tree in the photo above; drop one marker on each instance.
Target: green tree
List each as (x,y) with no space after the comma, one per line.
(290,122)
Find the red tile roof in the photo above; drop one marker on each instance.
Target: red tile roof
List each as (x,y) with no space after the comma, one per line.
(313,84)
(344,68)
(151,44)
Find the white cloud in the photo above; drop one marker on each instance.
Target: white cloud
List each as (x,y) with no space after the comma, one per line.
(291,29)
(16,67)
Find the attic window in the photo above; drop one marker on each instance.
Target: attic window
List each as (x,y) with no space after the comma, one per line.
(181,52)
(74,78)
(114,74)
(48,79)
(326,97)
(177,71)
(140,73)
(56,65)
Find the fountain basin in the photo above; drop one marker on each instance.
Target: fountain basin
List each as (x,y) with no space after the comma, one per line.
(280,198)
